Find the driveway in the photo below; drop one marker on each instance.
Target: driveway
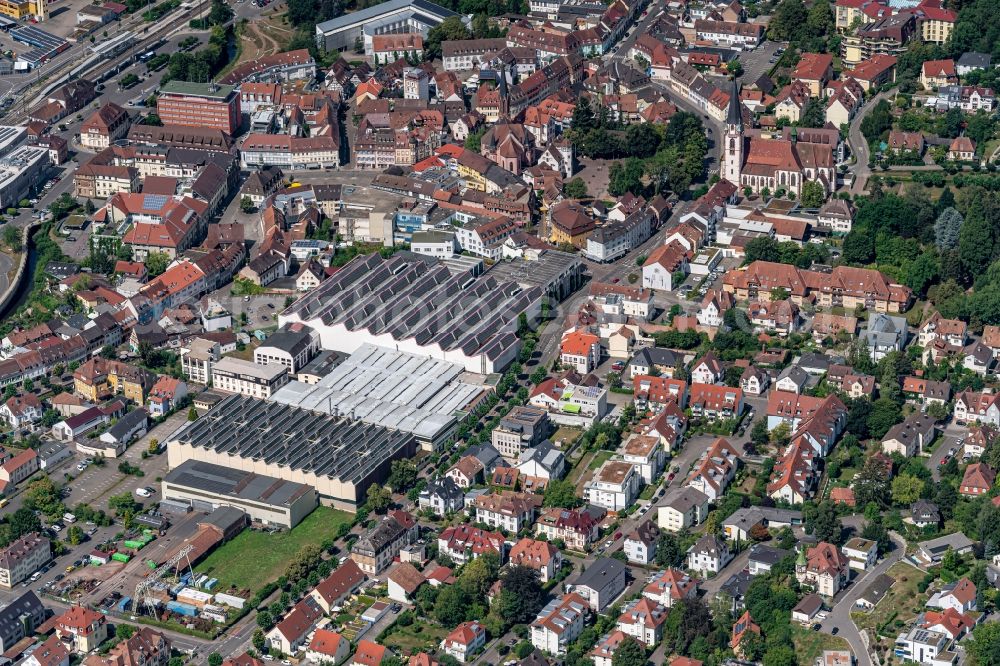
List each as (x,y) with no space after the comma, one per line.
(840,616)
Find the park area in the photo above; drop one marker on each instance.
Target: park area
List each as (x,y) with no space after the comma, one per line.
(255,558)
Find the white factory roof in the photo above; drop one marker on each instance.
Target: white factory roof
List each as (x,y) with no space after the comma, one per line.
(399,390)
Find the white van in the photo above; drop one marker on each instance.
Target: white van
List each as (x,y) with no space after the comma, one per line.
(69,518)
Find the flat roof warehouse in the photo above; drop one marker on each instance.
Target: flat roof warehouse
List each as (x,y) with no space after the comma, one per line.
(338,457)
(407,392)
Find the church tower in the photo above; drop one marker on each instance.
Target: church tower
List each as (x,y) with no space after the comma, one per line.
(733,153)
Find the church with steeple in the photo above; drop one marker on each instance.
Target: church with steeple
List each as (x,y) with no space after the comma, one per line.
(773,164)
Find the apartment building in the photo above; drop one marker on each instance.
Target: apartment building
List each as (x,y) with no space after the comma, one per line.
(234,375)
(524,427)
(559,624)
(614,486)
(375,551)
(22,558)
(190,104)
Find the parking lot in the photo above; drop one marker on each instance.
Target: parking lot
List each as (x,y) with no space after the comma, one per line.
(757,62)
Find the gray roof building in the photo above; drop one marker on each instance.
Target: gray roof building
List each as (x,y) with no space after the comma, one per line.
(20,618)
(206,487)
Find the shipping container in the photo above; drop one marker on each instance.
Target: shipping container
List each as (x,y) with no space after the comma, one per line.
(121,557)
(182,609)
(210,584)
(123,604)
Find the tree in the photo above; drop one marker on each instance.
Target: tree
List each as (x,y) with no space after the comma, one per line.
(379,498)
(625,177)
(877,122)
(562,494)
(947,228)
(215,659)
(402,475)
(759,434)
(885,414)
(975,243)
(986,646)
(813,194)
(629,653)
(762,248)
(74,535)
(642,140)
(192,414)
(452,28)
(788,22)
(859,246)
(474,141)
(12,238)
(246,205)
(825,523)
(451,606)
(156,263)
(258,640)
(906,489)
(871,483)
(669,551)
(123,503)
(23,521)
(576,189)
(521,595)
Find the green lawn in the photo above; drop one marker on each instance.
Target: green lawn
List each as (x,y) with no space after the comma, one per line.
(647,492)
(600,458)
(421,636)
(810,644)
(255,558)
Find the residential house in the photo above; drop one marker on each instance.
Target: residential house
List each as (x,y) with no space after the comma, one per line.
(580,351)
(713,402)
(20,411)
(640,544)
(959,595)
(923,514)
(291,633)
(682,508)
(823,567)
(559,624)
(715,469)
(541,556)
(937,73)
(442,496)
(910,437)
(707,370)
(403,582)
(764,558)
(643,620)
(861,553)
(709,555)
(464,641)
(82,628)
(327,646)
(669,587)
(885,334)
(962,149)
(375,550)
(754,381)
(464,543)
(614,486)
(977,480)
(577,528)
(507,510)
(338,586)
(601,583)
(982,408)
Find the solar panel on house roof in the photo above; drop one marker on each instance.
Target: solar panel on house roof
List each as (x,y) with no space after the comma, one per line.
(154,201)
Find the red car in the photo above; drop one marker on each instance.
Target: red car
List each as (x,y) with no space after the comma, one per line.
(618,535)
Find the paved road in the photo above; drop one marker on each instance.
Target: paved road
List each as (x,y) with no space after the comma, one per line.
(859,146)
(840,616)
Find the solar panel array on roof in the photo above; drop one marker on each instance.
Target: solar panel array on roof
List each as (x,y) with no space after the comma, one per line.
(296,439)
(408,299)
(154,201)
